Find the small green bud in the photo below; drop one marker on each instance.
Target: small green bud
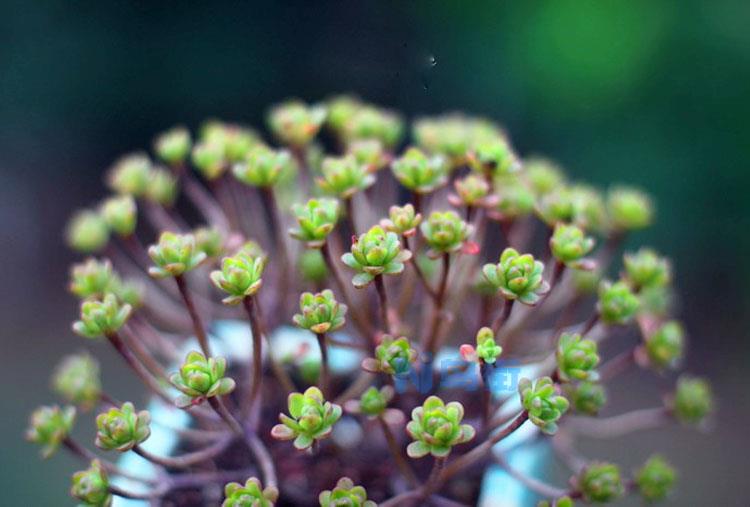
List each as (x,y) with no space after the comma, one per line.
(402,220)
(495,156)
(200,378)
(316,220)
(87,232)
(556,207)
(375,252)
(563,501)
(600,482)
(77,380)
(295,123)
(174,255)
(130,175)
(209,240)
(368,153)
(517,277)
(209,159)
(436,427)
(569,245)
(617,304)
(586,398)
(344,176)
(91,279)
(240,276)
(448,135)
(514,198)
(445,232)
(50,426)
(310,418)
(341,109)
(131,292)
(262,167)
(345,494)
(655,479)
(173,146)
(666,346)
(543,402)
(373,402)
(162,188)
(487,350)
(369,122)
(239,142)
(586,282)
(543,175)
(121,429)
(252,494)
(693,399)
(100,318)
(321,313)
(420,173)
(392,356)
(629,209)
(577,358)
(471,190)
(589,210)
(120,214)
(312,266)
(646,268)
(91,486)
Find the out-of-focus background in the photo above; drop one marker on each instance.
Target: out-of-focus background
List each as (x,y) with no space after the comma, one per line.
(649,93)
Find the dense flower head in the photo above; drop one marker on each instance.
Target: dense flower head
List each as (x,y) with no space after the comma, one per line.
(321,313)
(119,212)
(200,378)
(543,175)
(589,209)
(402,220)
(514,198)
(49,426)
(344,176)
(419,172)
(240,276)
(77,380)
(345,494)
(341,109)
(471,190)
(209,240)
(494,156)
(393,356)
(374,253)
(102,317)
(130,175)
(121,429)
(445,232)
(569,245)
(629,208)
(87,232)
(556,207)
(310,418)
(646,268)
(693,399)
(263,166)
(251,494)
(666,346)
(617,303)
(436,427)
(655,479)
(238,141)
(295,123)
(316,220)
(370,122)
(586,397)
(162,188)
(209,159)
(368,153)
(174,255)
(373,401)
(577,358)
(92,278)
(173,146)
(544,405)
(517,276)
(600,482)
(91,486)
(453,135)
(487,350)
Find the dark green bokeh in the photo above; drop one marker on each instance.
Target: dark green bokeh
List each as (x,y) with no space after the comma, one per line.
(643,92)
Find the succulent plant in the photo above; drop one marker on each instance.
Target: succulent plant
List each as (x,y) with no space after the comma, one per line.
(392,356)
(92,278)
(163,187)
(91,486)
(344,176)
(543,175)
(173,146)
(369,122)
(541,400)
(87,232)
(130,175)
(577,358)
(665,347)
(121,429)
(629,208)
(174,255)
(240,276)
(569,245)
(311,418)
(645,268)
(262,166)
(556,207)
(617,304)
(321,312)
(77,380)
(208,240)
(200,378)
(586,397)
(316,220)
(655,479)
(517,277)
(209,159)
(345,494)
(295,123)
(693,400)
(119,213)
(402,220)
(373,401)
(495,156)
(374,253)
(514,198)
(487,350)
(445,232)
(600,482)
(419,172)
(251,494)
(102,317)
(436,428)
(50,426)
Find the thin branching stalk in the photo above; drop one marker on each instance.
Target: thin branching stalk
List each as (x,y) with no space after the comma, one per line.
(250,305)
(198,328)
(396,453)
(324,368)
(383,304)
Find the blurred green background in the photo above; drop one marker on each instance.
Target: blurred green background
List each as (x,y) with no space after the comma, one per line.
(639,91)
